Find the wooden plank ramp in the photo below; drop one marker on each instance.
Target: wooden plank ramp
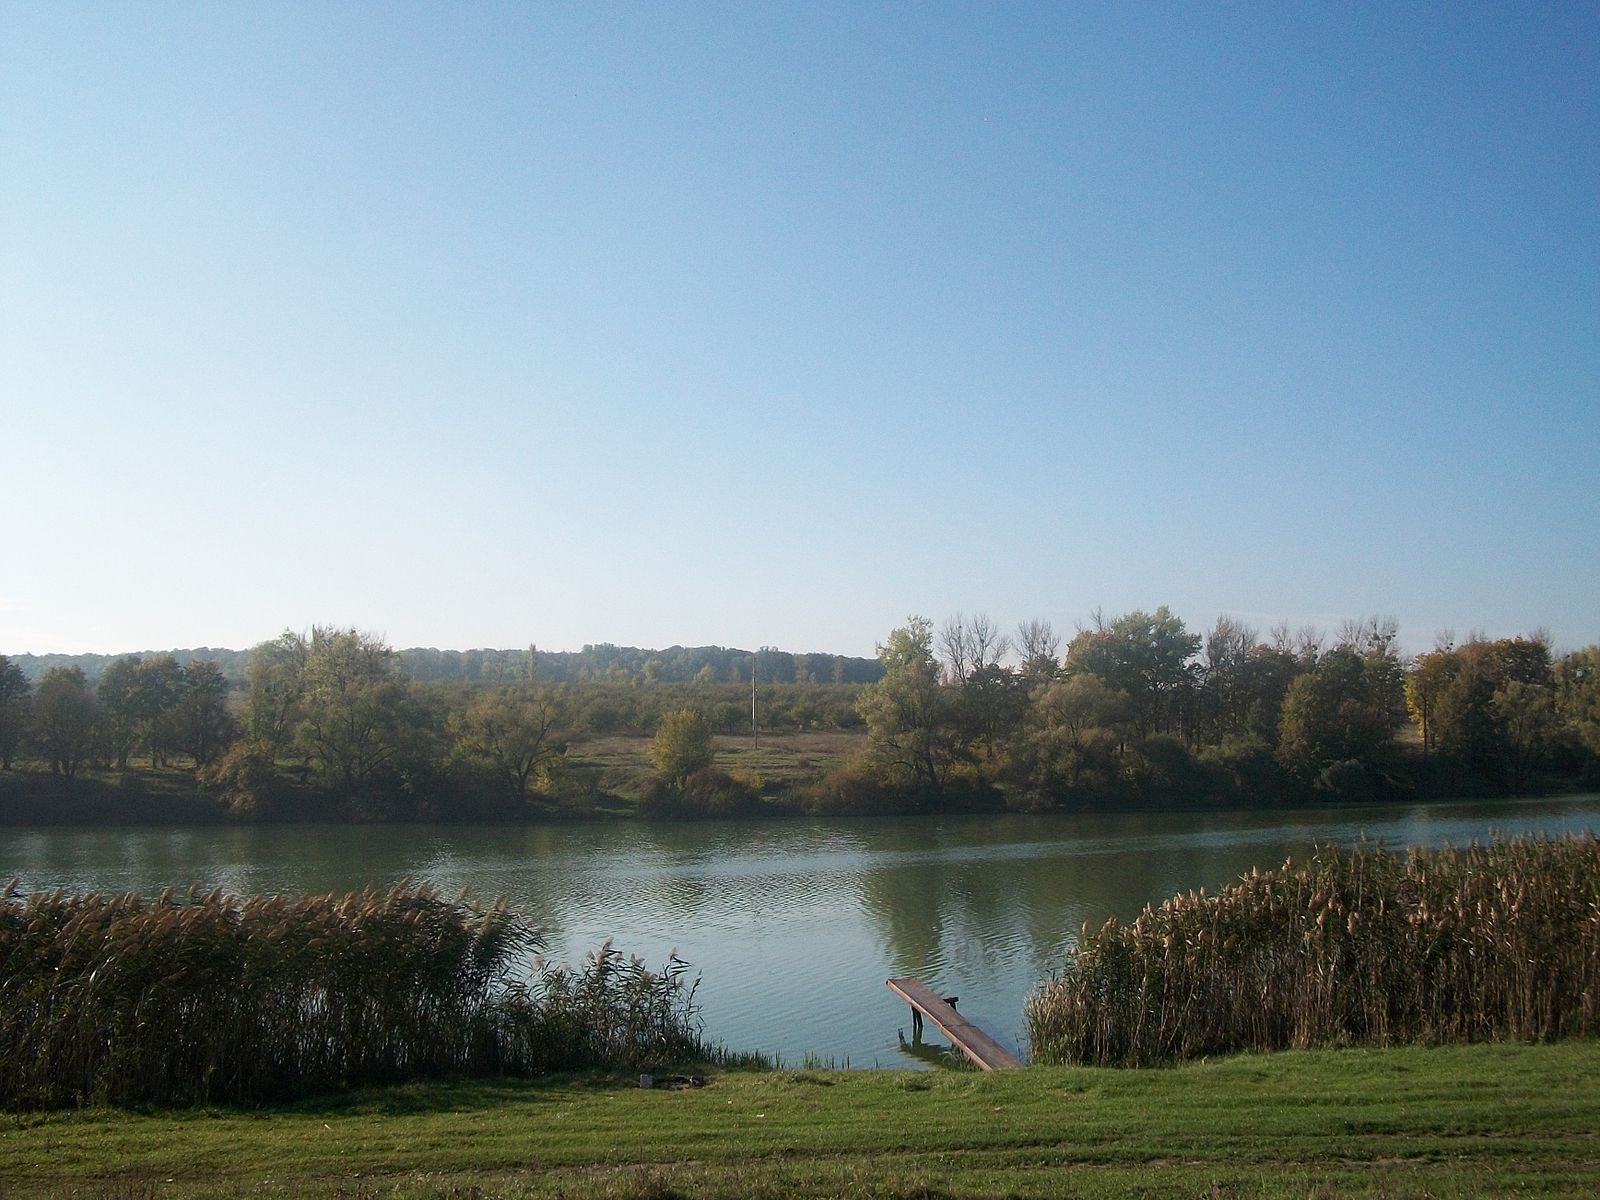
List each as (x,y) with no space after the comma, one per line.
(977,1045)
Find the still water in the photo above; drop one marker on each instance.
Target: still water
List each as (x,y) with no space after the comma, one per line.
(792,926)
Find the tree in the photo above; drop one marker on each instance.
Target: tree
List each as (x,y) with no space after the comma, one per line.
(1471,728)
(16,696)
(1075,725)
(971,645)
(1577,698)
(201,725)
(137,699)
(1228,676)
(518,730)
(681,746)
(277,688)
(990,707)
(1336,712)
(1039,647)
(1145,655)
(911,733)
(1269,673)
(354,707)
(1527,718)
(122,709)
(64,719)
(1430,674)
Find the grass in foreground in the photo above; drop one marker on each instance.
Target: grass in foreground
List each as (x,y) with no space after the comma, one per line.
(1445,1121)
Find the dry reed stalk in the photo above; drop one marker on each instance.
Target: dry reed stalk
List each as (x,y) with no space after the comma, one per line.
(208,997)
(1364,947)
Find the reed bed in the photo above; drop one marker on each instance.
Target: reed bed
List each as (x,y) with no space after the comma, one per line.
(207,997)
(1368,947)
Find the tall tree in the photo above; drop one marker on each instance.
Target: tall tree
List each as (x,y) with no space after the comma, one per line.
(1039,647)
(518,729)
(122,708)
(1526,713)
(1472,729)
(273,704)
(353,709)
(1226,676)
(911,731)
(1577,687)
(1338,711)
(1426,681)
(1075,723)
(1145,655)
(201,725)
(16,696)
(971,644)
(64,718)
(137,699)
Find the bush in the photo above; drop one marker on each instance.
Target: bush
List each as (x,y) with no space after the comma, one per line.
(706,793)
(246,781)
(682,745)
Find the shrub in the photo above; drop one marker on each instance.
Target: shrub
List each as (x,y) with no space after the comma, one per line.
(681,746)
(706,793)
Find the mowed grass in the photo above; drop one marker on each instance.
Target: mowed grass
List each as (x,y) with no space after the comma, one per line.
(1438,1121)
(782,759)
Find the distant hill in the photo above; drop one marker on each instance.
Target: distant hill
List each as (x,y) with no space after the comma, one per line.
(675,664)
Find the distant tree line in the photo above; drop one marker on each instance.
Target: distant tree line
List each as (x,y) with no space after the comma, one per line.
(1132,712)
(334,723)
(603,663)
(1140,712)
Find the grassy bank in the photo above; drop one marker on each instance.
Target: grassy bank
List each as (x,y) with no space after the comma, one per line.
(1446,1121)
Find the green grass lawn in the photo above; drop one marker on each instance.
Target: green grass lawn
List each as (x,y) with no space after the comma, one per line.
(1450,1121)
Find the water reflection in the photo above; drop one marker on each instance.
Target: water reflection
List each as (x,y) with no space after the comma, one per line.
(794,926)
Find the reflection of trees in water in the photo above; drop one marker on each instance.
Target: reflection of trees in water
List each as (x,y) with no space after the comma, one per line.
(970,899)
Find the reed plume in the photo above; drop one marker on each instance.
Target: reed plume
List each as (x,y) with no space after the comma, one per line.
(1361,947)
(206,997)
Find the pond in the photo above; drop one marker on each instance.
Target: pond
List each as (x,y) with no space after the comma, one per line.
(792,926)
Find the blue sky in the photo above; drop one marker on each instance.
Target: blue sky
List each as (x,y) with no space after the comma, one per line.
(758,324)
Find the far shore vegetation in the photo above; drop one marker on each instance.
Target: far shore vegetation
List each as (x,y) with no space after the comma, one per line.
(1132,713)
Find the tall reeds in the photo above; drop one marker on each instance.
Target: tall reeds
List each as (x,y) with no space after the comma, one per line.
(1360,947)
(207,997)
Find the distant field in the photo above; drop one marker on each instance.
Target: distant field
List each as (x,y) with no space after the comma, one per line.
(1478,1121)
(785,759)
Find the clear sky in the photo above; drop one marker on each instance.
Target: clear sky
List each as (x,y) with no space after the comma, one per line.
(771,324)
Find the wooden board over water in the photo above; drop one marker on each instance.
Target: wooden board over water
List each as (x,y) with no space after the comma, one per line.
(977,1045)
